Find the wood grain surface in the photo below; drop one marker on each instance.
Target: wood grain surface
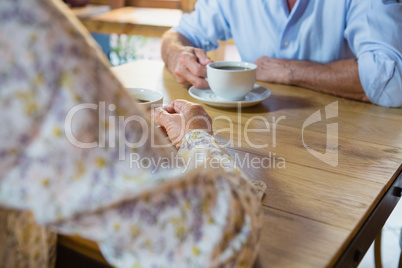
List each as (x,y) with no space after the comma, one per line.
(311,210)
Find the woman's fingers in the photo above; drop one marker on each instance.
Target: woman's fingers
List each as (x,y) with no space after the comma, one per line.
(171,123)
(179,106)
(160,117)
(180,117)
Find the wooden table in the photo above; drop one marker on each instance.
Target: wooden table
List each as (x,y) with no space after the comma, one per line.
(314,214)
(152,22)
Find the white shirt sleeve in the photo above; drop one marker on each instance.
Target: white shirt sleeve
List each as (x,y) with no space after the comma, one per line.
(206,25)
(374,32)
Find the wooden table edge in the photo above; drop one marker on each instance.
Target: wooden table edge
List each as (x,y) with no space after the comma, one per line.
(357,247)
(86,248)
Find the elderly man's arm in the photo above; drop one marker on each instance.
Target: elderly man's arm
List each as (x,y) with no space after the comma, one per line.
(374,36)
(340,78)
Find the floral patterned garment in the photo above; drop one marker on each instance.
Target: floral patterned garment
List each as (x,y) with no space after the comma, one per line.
(77,152)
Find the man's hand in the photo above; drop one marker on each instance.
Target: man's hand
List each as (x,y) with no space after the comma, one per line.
(189,68)
(274,70)
(185,62)
(180,117)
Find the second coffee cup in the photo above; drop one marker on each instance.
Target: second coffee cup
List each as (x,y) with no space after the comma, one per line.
(231,80)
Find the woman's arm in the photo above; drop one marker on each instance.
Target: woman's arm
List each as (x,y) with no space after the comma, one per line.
(78,152)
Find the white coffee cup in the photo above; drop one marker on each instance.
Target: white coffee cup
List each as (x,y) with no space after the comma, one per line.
(231,80)
(147,98)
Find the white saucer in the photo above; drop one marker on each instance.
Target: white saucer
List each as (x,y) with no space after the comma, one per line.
(255,96)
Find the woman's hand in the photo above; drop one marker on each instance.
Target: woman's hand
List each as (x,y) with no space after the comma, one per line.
(180,117)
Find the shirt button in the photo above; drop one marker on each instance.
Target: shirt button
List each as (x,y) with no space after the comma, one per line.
(286,43)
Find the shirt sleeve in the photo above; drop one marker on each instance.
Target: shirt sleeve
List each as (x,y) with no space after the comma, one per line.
(77,151)
(205,25)
(374,33)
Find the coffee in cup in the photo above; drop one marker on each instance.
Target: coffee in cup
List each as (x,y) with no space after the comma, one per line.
(231,80)
(147,98)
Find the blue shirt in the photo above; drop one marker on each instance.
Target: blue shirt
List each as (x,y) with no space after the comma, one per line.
(315,30)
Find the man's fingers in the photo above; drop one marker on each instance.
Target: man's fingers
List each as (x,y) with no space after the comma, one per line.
(197,62)
(183,74)
(191,62)
(202,56)
(197,81)
(196,68)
